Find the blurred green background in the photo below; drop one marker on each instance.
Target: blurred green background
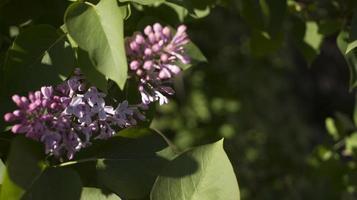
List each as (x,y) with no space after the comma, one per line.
(268,87)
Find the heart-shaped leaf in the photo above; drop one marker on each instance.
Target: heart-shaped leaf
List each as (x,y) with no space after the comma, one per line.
(212,178)
(98,30)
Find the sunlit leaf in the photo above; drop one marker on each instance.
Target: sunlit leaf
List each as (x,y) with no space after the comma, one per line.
(96,194)
(144,2)
(2,171)
(204,172)
(312,36)
(98,29)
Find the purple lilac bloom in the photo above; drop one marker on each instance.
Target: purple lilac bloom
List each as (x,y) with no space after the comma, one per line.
(67,117)
(153,58)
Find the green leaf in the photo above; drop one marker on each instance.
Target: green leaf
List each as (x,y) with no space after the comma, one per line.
(39,56)
(135,132)
(312,36)
(130,169)
(92,74)
(98,29)
(55,184)
(351,46)
(351,143)
(2,171)
(331,128)
(23,167)
(251,13)
(352,41)
(125,166)
(350,57)
(96,194)
(195,54)
(187,8)
(211,176)
(144,2)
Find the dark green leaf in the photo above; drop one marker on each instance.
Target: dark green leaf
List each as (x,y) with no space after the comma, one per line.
(99,31)
(55,184)
(127,167)
(201,173)
(135,132)
(39,56)
(23,167)
(130,169)
(92,74)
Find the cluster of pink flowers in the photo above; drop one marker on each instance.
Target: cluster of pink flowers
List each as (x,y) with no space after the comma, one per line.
(67,117)
(154,58)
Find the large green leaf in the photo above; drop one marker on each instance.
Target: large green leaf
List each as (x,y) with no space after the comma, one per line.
(130,169)
(212,179)
(125,166)
(98,29)
(55,184)
(96,194)
(24,165)
(39,56)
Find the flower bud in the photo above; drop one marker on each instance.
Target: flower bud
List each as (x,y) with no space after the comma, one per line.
(148,52)
(8,117)
(139,72)
(181,29)
(148,30)
(155,48)
(164,57)
(152,38)
(139,39)
(157,27)
(38,95)
(17,99)
(134,65)
(19,128)
(134,46)
(166,31)
(148,65)
(17,113)
(53,105)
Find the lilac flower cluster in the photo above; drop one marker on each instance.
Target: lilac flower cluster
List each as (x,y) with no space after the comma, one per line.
(66,117)
(153,58)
